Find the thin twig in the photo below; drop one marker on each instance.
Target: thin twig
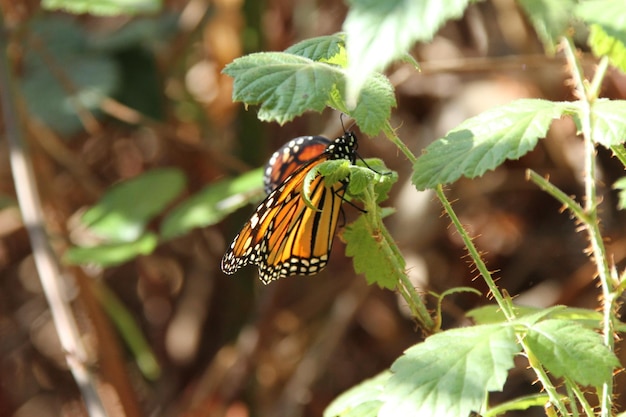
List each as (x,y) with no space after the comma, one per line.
(45,259)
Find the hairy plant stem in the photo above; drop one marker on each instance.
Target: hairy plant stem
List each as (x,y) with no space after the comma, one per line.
(388,245)
(587,94)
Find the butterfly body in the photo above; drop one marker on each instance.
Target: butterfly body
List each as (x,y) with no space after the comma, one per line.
(285,236)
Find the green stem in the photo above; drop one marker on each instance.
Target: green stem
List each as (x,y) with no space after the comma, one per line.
(505,304)
(555,398)
(391,135)
(587,95)
(580,396)
(391,251)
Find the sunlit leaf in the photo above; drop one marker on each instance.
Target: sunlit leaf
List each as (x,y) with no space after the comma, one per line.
(483,142)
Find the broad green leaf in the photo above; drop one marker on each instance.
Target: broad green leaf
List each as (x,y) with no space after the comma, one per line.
(609,122)
(372,254)
(621,186)
(322,48)
(361,400)
(567,349)
(550,18)
(111,254)
(286,85)
(483,142)
(213,203)
(607,19)
(379,32)
(124,210)
(103,7)
(450,374)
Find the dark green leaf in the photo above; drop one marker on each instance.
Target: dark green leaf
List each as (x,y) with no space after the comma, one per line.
(286,85)
(372,254)
(322,48)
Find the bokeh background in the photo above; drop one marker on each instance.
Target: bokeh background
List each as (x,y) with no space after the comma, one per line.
(229,346)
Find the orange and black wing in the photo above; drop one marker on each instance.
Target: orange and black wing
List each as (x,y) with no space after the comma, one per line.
(284,235)
(291,156)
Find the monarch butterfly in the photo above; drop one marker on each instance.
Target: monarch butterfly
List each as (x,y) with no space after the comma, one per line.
(285,236)
(291,156)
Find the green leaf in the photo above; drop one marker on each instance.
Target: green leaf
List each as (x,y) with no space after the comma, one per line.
(621,186)
(103,7)
(111,254)
(92,75)
(567,349)
(213,203)
(379,32)
(485,141)
(372,254)
(607,19)
(518,404)
(450,374)
(286,85)
(376,173)
(125,209)
(550,18)
(322,48)
(360,400)
(591,319)
(609,122)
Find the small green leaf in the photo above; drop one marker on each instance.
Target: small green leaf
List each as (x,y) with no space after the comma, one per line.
(609,122)
(375,173)
(485,141)
(322,48)
(111,254)
(518,404)
(124,210)
(212,204)
(450,374)
(103,7)
(360,400)
(567,349)
(607,19)
(286,85)
(372,254)
(379,32)
(550,18)
(621,186)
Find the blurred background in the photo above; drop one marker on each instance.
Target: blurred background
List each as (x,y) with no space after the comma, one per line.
(152,95)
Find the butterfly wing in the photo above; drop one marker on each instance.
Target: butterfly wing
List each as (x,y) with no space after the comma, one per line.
(285,236)
(290,157)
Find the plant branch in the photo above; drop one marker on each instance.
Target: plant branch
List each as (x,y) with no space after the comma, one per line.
(46,261)
(505,305)
(587,96)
